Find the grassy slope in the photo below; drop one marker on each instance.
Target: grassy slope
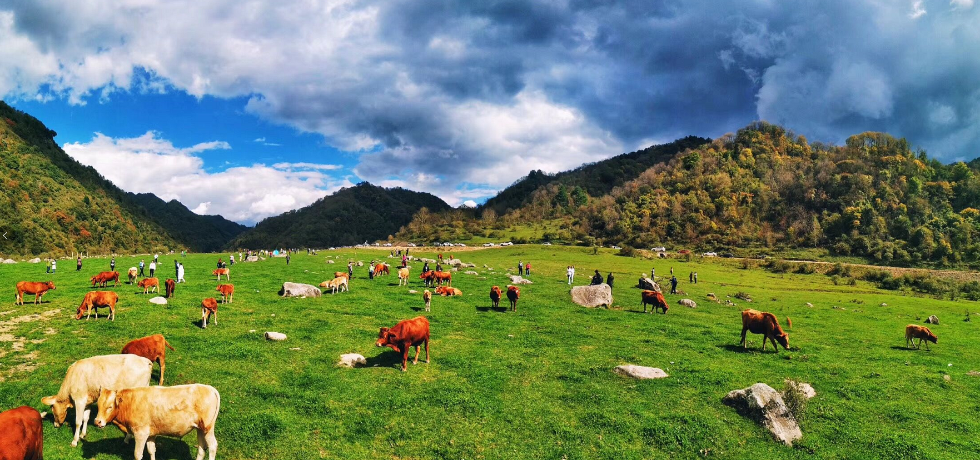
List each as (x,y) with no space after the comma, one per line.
(536,384)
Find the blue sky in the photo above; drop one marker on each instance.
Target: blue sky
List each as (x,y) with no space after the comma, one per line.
(250,108)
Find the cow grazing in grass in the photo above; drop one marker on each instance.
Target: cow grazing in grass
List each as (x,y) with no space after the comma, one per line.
(147,412)
(95,300)
(654,298)
(409,333)
(913,331)
(149,285)
(766,324)
(495,294)
(429,277)
(339,274)
(87,377)
(338,284)
(132,274)
(171,286)
(443,276)
(209,307)
(381,269)
(32,287)
(222,271)
(153,348)
(427,297)
(448,291)
(21,434)
(403,276)
(513,293)
(102,279)
(227,291)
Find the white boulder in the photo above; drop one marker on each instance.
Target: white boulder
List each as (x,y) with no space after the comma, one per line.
(275,336)
(158,300)
(640,372)
(592,296)
(352,360)
(765,405)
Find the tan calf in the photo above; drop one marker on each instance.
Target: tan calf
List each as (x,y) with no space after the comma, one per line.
(914,331)
(403,276)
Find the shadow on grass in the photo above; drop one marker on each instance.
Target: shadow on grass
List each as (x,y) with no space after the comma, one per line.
(905,348)
(388,358)
(737,348)
(418,308)
(168,448)
(494,309)
(197,323)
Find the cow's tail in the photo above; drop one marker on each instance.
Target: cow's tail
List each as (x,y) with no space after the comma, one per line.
(789,322)
(168,345)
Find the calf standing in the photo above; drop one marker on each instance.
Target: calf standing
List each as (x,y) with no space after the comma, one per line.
(21,434)
(654,298)
(913,331)
(153,348)
(209,307)
(406,334)
(95,300)
(149,285)
(171,286)
(513,293)
(495,296)
(427,297)
(764,323)
(227,292)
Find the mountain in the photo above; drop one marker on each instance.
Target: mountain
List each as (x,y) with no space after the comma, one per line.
(352,215)
(596,179)
(199,233)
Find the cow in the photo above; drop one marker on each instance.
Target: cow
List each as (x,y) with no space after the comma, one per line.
(403,276)
(429,277)
(32,287)
(914,331)
(222,271)
(153,348)
(655,298)
(171,286)
(337,284)
(339,274)
(132,273)
(87,377)
(147,412)
(408,333)
(448,291)
(766,324)
(102,279)
(427,297)
(381,269)
(149,285)
(443,276)
(21,434)
(495,296)
(513,293)
(95,300)
(227,292)
(209,307)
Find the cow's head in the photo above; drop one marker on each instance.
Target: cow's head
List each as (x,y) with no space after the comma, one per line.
(387,338)
(495,290)
(81,311)
(51,285)
(783,339)
(59,408)
(94,279)
(931,337)
(108,401)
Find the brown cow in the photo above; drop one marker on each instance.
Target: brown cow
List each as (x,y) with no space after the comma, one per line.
(427,297)
(381,269)
(222,271)
(171,286)
(21,434)
(429,278)
(763,323)
(406,334)
(448,291)
(102,279)
(654,298)
(495,296)
(32,287)
(227,291)
(153,348)
(914,331)
(339,274)
(95,300)
(513,293)
(149,285)
(209,307)
(443,276)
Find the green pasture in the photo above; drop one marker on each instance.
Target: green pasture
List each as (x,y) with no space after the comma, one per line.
(536,384)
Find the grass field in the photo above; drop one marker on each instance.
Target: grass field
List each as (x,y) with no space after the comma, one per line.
(537,384)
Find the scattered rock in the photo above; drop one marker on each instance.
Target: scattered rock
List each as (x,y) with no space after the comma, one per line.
(648,284)
(809,304)
(883,304)
(973,374)
(9,261)
(35,260)
(299,290)
(471,272)
(933,319)
(158,300)
(275,336)
(688,303)
(765,405)
(252,259)
(455,269)
(802,387)
(413,291)
(251,331)
(469,265)
(296,348)
(712,296)
(517,279)
(431,261)
(592,296)
(360,263)
(947,378)
(640,372)
(352,360)
(330,262)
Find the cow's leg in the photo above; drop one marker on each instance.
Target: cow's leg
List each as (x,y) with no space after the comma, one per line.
(764,337)
(80,417)
(405,357)
(162,367)
(151,446)
(37,298)
(140,438)
(742,343)
(216,317)
(426,350)
(112,311)
(418,349)
(774,347)
(212,445)
(204,318)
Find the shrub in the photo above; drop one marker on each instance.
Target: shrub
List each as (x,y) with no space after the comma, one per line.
(627,251)
(779,266)
(796,401)
(743,295)
(806,269)
(839,269)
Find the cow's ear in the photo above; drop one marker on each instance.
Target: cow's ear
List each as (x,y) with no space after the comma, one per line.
(49,400)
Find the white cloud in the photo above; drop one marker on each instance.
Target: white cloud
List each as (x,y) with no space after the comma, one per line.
(917,10)
(324,167)
(150,164)
(961,4)
(469,204)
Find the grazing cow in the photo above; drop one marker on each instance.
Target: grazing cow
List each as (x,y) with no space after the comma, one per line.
(913,331)
(132,274)
(153,348)
(209,307)
(21,434)
(495,296)
(227,291)
(381,269)
(654,298)
(95,300)
(409,333)
(513,293)
(766,324)
(148,412)
(443,276)
(171,286)
(337,284)
(87,377)
(32,287)
(222,271)
(403,276)
(429,277)
(102,279)
(339,274)
(447,291)
(427,297)
(149,285)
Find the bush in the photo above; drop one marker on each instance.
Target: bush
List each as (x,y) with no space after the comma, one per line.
(743,295)
(627,251)
(806,269)
(779,266)
(840,269)
(796,401)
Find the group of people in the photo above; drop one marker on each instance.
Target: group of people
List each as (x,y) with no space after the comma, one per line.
(523,269)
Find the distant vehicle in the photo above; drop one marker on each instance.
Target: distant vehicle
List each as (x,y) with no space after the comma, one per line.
(448,245)
(411,245)
(488,245)
(660,249)
(377,244)
(437,244)
(710,254)
(387,245)
(728,255)
(461,245)
(616,247)
(508,243)
(546,244)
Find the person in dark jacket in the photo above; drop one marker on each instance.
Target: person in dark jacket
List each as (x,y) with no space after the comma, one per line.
(597,278)
(673,285)
(610,279)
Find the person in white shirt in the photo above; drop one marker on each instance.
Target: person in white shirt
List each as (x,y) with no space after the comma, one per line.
(180,273)
(571,274)
(153,268)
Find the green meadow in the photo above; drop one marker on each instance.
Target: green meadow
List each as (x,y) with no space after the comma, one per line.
(536,384)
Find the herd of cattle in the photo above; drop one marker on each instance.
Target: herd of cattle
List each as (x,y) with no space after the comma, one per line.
(119,385)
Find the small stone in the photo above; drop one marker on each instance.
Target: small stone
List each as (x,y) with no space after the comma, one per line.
(275,336)
(413,291)
(295,348)
(330,261)
(883,304)
(947,378)
(933,319)
(688,303)
(158,300)
(640,372)
(808,304)
(251,331)
(352,360)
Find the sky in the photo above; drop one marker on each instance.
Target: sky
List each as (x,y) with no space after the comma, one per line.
(250,108)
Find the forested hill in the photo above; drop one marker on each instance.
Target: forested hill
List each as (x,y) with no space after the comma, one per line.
(595,179)
(52,205)
(351,215)
(199,233)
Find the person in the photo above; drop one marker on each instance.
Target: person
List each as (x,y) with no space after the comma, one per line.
(690,277)
(371,270)
(571,274)
(156,258)
(406,252)
(425,267)
(439,266)
(440,257)
(404,261)
(287,258)
(49,266)
(180,273)
(610,279)
(54,265)
(350,269)
(232,259)
(78,267)
(141,268)
(112,264)
(527,269)
(695,277)
(520,268)
(673,285)
(596,279)
(153,268)
(176,269)
(653,273)
(671,271)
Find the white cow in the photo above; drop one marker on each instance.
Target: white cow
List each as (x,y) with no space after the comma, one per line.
(146,413)
(403,276)
(84,380)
